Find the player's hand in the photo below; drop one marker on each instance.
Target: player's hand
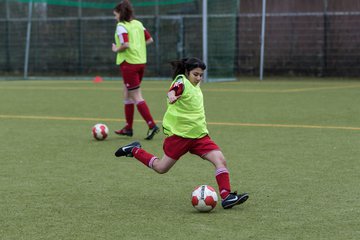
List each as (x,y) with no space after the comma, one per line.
(114,48)
(172,98)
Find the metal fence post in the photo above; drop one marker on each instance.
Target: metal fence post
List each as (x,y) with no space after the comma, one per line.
(325,39)
(28,38)
(7,38)
(80,36)
(205,33)
(262,39)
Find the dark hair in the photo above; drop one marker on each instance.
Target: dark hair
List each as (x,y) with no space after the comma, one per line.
(185,65)
(126,11)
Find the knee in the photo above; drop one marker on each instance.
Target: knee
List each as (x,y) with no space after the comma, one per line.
(161,170)
(220,158)
(222,161)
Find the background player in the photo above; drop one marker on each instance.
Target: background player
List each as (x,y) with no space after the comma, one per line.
(131,39)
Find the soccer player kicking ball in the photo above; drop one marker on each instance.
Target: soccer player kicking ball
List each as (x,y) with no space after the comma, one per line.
(185,126)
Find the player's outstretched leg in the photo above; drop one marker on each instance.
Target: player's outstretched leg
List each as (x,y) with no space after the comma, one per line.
(234,199)
(127,150)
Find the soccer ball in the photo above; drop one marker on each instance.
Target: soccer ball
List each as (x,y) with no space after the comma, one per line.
(204,198)
(100,131)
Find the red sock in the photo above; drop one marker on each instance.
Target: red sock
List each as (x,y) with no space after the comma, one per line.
(223,181)
(129,114)
(146,158)
(145,113)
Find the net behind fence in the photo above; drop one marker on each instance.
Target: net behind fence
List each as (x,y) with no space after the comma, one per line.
(73,37)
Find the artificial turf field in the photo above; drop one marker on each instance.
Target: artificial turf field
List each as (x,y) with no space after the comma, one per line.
(293,145)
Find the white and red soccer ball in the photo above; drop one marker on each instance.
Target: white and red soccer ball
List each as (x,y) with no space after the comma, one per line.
(100,131)
(204,198)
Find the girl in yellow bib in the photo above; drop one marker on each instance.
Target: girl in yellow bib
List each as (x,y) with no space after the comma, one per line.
(131,39)
(185,126)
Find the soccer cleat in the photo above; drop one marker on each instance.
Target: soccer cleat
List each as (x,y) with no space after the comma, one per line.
(125,132)
(127,150)
(151,132)
(234,199)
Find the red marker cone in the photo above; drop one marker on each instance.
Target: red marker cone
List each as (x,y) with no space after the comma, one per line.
(98,79)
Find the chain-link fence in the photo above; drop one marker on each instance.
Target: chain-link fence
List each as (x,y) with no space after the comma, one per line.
(318,37)
(73,38)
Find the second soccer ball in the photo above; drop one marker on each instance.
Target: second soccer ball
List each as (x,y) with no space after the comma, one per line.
(100,131)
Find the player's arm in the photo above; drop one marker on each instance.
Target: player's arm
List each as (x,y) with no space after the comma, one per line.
(175,91)
(124,40)
(148,37)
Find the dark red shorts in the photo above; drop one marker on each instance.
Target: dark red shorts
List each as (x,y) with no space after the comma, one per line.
(175,146)
(132,74)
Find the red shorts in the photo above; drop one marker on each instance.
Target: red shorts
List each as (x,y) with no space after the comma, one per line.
(132,74)
(175,146)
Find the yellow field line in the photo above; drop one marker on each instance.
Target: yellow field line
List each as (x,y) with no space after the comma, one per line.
(119,88)
(320,88)
(60,88)
(210,123)
(63,118)
(284,125)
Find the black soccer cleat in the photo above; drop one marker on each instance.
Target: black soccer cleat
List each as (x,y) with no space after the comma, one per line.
(234,199)
(151,132)
(127,150)
(124,132)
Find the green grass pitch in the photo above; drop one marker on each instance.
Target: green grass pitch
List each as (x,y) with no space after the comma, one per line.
(293,144)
